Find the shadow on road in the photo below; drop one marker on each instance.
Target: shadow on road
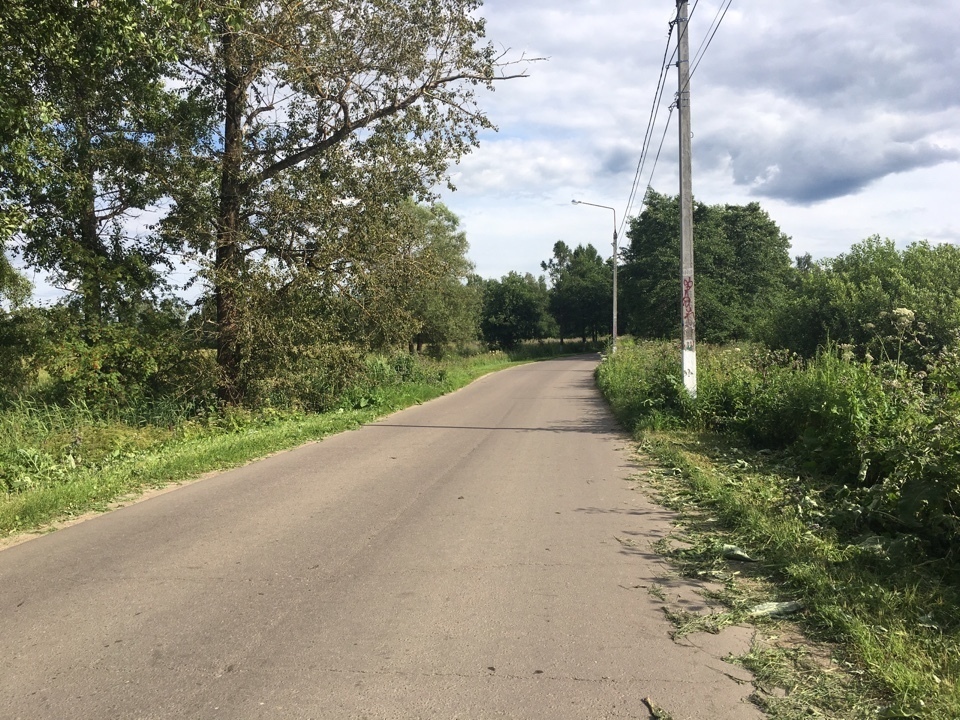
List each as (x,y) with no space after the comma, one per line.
(574,427)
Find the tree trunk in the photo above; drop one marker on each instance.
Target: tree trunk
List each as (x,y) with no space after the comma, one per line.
(92,251)
(226,275)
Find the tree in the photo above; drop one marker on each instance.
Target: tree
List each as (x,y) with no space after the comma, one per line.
(581,291)
(325,114)
(84,139)
(444,304)
(514,310)
(742,269)
(14,287)
(873,297)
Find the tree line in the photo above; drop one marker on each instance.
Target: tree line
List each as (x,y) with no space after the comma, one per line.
(871,298)
(282,151)
(285,155)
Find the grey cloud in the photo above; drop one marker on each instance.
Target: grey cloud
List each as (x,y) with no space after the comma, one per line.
(844,56)
(809,172)
(848,94)
(619,160)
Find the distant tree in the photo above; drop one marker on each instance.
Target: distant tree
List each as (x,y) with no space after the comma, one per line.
(15,289)
(443,303)
(742,269)
(873,297)
(580,292)
(514,310)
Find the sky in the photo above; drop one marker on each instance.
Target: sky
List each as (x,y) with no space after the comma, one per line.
(841,119)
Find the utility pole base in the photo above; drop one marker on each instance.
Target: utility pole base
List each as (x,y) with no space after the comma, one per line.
(689,364)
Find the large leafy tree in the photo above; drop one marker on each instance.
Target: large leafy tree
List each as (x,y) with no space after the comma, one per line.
(742,269)
(874,296)
(325,115)
(581,291)
(84,140)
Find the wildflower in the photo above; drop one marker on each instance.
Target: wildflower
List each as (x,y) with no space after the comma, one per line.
(903,318)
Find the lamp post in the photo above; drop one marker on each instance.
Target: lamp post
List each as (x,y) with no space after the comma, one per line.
(613,342)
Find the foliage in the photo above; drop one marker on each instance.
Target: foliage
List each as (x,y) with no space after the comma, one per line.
(742,269)
(323,118)
(45,42)
(851,491)
(107,367)
(514,310)
(442,300)
(23,336)
(580,291)
(63,459)
(889,609)
(873,297)
(879,441)
(14,287)
(83,145)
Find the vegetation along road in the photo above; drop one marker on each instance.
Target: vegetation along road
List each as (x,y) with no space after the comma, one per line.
(482,555)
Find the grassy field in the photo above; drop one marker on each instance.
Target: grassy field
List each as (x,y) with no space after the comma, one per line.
(57,463)
(757,462)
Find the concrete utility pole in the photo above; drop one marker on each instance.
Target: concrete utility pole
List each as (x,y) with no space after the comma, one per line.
(687,307)
(613,341)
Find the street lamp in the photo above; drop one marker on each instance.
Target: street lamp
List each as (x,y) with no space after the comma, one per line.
(613,343)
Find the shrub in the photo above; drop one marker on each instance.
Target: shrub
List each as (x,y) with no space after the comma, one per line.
(880,441)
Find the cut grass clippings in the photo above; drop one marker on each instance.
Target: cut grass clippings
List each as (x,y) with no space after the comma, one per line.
(173,458)
(897,649)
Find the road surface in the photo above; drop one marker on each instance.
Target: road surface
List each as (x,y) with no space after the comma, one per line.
(480,556)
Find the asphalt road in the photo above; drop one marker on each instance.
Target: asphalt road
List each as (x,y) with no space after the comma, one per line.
(480,556)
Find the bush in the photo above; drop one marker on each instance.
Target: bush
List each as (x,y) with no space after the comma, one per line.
(880,441)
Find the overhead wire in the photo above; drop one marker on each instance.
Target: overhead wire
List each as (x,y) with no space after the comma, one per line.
(697,53)
(659,149)
(714,26)
(658,95)
(648,135)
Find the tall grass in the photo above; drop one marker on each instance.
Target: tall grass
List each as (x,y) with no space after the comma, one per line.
(880,440)
(850,489)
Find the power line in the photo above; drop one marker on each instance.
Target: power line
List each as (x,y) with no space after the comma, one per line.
(658,96)
(707,39)
(657,158)
(697,53)
(653,170)
(714,26)
(648,135)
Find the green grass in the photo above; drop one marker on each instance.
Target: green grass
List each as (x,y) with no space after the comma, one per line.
(64,462)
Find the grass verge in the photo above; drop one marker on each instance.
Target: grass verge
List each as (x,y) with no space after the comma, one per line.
(131,459)
(840,476)
(889,624)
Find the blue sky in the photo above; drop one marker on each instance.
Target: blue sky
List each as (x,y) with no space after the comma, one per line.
(841,119)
